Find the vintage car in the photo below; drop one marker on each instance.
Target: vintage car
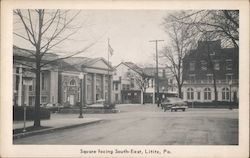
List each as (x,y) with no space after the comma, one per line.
(174,104)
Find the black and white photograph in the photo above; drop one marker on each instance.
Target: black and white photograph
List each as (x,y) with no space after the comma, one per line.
(127,81)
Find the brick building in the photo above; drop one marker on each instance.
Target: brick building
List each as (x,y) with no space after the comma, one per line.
(211,67)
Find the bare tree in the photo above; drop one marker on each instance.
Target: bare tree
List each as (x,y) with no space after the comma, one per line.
(141,81)
(220,24)
(182,38)
(44,30)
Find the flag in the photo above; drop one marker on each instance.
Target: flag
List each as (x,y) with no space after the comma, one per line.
(110,49)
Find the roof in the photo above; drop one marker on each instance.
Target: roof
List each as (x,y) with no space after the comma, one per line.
(21,52)
(79,62)
(132,66)
(201,50)
(67,64)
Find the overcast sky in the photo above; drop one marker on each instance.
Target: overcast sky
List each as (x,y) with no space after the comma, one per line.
(129,32)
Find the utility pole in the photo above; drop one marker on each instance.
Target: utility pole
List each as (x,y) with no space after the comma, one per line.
(157,77)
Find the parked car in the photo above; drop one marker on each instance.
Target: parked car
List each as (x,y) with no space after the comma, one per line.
(53,107)
(174,104)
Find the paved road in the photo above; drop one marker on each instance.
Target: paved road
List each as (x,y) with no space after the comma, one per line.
(149,125)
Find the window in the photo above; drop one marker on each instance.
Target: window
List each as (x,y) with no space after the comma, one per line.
(190,94)
(229,78)
(203,65)
(207,94)
(198,95)
(30,88)
(79,94)
(31,98)
(192,66)
(216,65)
(132,83)
(209,78)
(116,97)
(164,73)
(64,96)
(116,86)
(44,99)
(72,82)
(212,52)
(229,64)
(225,94)
(192,78)
(125,87)
(171,81)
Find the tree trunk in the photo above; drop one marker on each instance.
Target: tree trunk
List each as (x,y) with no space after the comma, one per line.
(215,92)
(179,91)
(37,122)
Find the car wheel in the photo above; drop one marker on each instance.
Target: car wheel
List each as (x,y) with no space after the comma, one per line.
(183,109)
(175,110)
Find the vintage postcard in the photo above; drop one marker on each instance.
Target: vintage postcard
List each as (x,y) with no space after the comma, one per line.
(124,78)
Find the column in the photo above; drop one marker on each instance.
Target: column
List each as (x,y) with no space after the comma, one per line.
(110,89)
(53,86)
(26,98)
(85,90)
(20,86)
(103,86)
(94,88)
(141,97)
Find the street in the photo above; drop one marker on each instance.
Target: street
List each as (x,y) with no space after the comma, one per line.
(148,125)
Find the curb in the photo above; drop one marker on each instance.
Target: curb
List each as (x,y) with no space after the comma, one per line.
(43,131)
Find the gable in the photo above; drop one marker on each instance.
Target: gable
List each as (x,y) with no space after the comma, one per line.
(99,64)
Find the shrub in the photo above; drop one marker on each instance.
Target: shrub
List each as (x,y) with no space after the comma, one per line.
(109,106)
(213,104)
(18,112)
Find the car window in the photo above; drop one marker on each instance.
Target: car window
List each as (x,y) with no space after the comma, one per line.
(174,99)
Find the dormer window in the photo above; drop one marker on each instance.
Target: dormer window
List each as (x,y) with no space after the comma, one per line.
(192,66)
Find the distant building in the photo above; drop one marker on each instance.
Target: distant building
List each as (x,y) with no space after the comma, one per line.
(126,89)
(60,80)
(208,62)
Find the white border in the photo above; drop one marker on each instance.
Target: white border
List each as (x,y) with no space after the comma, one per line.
(9,150)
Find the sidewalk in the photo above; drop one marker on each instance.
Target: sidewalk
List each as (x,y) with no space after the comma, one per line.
(56,122)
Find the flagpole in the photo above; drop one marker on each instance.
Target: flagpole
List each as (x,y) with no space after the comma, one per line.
(109,86)
(108,56)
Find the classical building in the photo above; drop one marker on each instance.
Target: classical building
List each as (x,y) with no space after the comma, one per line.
(60,79)
(126,89)
(22,72)
(97,80)
(211,67)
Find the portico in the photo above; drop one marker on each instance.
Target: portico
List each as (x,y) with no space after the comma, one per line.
(97,80)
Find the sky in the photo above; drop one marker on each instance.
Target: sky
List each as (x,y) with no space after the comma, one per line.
(128,31)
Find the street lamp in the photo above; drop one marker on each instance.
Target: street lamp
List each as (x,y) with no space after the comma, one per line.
(81,78)
(163,95)
(230,97)
(27,81)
